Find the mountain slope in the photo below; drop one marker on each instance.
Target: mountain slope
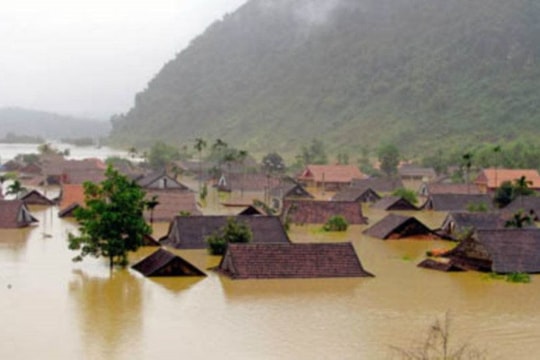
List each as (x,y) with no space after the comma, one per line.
(354,73)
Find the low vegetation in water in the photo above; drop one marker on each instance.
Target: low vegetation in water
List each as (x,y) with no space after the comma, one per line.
(520,278)
(336,223)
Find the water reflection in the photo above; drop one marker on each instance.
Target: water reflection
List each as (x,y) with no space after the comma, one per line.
(109,312)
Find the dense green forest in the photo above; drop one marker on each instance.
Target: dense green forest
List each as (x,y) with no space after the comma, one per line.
(420,74)
(16,123)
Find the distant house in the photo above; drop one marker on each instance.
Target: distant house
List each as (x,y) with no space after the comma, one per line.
(427,189)
(457,223)
(383,185)
(286,261)
(318,212)
(252,210)
(457,202)
(57,170)
(161,181)
(329,177)
(393,203)
(395,226)
(71,197)
(191,232)
(249,182)
(530,205)
(34,197)
(416,173)
(288,188)
(165,263)
(171,204)
(488,180)
(499,250)
(360,195)
(15,214)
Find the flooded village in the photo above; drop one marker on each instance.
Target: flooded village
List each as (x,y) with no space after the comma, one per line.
(296,290)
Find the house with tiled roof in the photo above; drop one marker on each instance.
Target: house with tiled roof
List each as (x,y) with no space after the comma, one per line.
(34,197)
(15,214)
(318,211)
(499,250)
(288,188)
(393,203)
(329,177)
(288,261)
(458,202)
(416,173)
(71,197)
(165,263)
(191,232)
(458,223)
(529,205)
(161,181)
(356,194)
(380,185)
(395,226)
(427,189)
(171,204)
(488,180)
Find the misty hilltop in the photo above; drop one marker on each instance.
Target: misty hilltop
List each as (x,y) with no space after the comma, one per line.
(49,125)
(276,74)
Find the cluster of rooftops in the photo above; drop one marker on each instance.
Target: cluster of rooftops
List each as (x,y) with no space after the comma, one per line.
(487,246)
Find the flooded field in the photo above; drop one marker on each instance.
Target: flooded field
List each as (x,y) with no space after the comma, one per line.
(55,309)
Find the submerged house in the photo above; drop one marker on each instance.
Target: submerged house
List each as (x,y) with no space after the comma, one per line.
(529,205)
(161,181)
(427,189)
(458,202)
(329,177)
(288,188)
(383,185)
(171,204)
(318,212)
(395,226)
(457,223)
(393,203)
(287,261)
(357,194)
(499,250)
(191,232)
(165,263)
(15,214)
(71,198)
(34,197)
(488,180)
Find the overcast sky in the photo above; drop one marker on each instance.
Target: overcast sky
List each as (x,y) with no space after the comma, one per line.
(90,57)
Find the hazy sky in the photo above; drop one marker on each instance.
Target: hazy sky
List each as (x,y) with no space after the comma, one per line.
(90,57)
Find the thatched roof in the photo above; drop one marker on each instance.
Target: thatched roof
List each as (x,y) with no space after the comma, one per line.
(318,212)
(395,226)
(190,232)
(14,214)
(356,194)
(457,202)
(393,203)
(165,263)
(34,197)
(315,260)
(500,251)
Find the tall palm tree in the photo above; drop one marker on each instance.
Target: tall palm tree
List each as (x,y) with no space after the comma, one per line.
(497,151)
(467,157)
(521,188)
(16,189)
(200,144)
(242,155)
(151,205)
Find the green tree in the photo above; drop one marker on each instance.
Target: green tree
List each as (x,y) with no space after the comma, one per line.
(467,159)
(389,158)
(161,155)
(406,194)
(504,194)
(151,205)
(16,188)
(232,232)
(111,222)
(519,220)
(200,145)
(336,223)
(273,163)
(315,153)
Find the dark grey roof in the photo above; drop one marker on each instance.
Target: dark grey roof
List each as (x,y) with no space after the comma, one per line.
(150,181)
(457,202)
(528,204)
(457,222)
(318,212)
(398,226)
(500,250)
(313,260)
(34,197)
(393,203)
(356,194)
(165,263)
(190,232)
(380,185)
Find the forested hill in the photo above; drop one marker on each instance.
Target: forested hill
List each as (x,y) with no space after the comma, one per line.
(278,73)
(50,126)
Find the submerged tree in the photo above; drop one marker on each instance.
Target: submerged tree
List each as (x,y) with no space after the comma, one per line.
(232,232)
(111,222)
(16,188)
(389,157)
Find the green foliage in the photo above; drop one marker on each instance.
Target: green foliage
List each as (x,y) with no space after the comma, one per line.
(406,194)
(204,192)
(161,155)
(315,153)
(16,188)
(519,220)
(111,222)
(523,278)
(504,194)
(389,158)
(273,163)
(477,207)
(232,232)
(336,223)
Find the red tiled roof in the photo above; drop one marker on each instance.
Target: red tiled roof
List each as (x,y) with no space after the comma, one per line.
(331,173)
(72,193)
(493,178)
(314,260)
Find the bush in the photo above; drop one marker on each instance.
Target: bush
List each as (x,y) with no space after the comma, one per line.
(518,278)
(336,223)
(232,232)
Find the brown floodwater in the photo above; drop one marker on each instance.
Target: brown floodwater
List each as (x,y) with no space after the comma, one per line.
(52,308)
